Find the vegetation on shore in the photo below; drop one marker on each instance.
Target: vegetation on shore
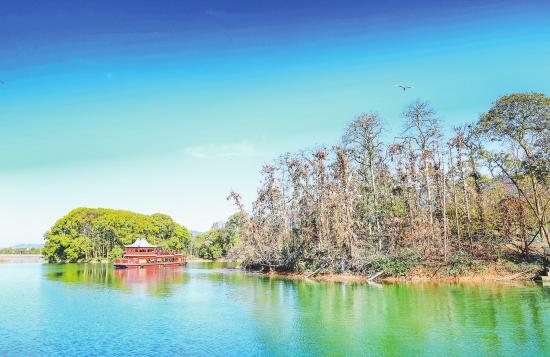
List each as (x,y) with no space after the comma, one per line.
(87,234)
(453,203)
(216,242)
(98,234)
(20,251)
(424,202)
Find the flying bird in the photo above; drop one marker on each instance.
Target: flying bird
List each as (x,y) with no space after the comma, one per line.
(404,86)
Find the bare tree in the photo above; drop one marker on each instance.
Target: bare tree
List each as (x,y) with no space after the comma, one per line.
(361,205)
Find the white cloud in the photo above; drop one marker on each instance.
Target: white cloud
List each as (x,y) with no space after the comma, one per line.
(216,151)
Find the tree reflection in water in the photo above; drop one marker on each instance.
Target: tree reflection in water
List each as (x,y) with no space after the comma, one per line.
(154,281)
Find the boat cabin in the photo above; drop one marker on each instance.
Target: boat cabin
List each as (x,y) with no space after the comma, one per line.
(141,254)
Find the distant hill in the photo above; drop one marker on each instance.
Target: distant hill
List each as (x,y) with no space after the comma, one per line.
(195,233)
(28,246)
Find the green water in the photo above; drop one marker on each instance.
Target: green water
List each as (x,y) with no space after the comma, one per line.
(207,309)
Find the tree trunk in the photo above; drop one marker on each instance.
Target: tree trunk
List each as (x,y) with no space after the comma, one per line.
(466,195)
(428,188)
(455,200)
(477,183)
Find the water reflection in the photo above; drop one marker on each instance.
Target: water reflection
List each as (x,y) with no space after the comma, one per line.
(252,314)
(328,318)
(360,319)
(429,318)
(155,281)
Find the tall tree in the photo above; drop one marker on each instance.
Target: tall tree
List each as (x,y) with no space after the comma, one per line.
(364,146)
(517,126)
(422,129)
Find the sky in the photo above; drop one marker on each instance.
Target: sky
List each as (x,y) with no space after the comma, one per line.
(167,106)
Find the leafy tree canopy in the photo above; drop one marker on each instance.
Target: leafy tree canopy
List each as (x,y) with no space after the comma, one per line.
(217,242)
(97,233)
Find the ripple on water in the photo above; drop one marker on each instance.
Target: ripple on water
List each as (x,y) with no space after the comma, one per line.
(206,309)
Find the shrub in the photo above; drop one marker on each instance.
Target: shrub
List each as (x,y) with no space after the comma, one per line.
(461,263)
(396,265)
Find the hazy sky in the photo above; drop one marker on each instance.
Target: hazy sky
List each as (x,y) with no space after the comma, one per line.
(165,106)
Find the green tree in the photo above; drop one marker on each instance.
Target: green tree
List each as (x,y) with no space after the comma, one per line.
(99,233)
(217,242)
(517,127)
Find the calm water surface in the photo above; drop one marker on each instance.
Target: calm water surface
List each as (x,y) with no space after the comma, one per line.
(207,309)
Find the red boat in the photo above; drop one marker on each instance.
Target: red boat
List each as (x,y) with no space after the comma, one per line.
(142,254)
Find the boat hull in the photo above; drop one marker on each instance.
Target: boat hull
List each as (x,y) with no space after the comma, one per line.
(146,265)
(141,254)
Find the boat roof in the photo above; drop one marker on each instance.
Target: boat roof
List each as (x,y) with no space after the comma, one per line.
(141,243)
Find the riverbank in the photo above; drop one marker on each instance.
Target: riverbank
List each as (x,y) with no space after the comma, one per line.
(496,272)
(21,258)
(107,261)
(202,260)
(503,271)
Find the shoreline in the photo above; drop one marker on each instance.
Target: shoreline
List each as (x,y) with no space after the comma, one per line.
(363,279)
(21,258)
(492,274)
(203,260)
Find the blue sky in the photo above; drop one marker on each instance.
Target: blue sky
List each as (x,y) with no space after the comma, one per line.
(166,106)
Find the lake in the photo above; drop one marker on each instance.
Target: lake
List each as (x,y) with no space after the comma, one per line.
(207,309)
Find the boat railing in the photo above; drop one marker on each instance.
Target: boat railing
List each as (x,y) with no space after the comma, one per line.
(169,252)
(131,258)
(157,252)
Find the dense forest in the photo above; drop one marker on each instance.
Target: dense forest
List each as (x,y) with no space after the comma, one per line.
(86,234)
(449,200)
(217,242)
(93,234)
